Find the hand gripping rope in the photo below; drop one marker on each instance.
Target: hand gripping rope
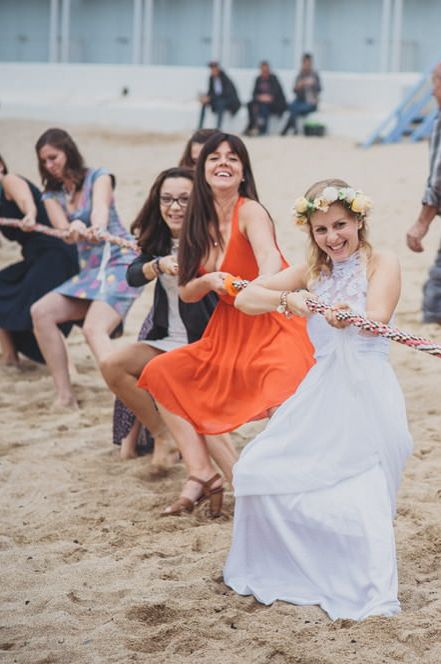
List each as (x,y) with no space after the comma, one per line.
(235,284)
(103,235)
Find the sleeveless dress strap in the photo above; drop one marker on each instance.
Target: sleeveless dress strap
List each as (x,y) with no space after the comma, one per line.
(235,220)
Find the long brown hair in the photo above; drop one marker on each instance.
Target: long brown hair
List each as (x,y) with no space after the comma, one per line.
(3,163)
(318,261)
(151,231)
(201,224)
(74,168)
(200,136)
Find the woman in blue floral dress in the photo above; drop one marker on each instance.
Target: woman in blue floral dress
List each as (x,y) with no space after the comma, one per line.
(80,201)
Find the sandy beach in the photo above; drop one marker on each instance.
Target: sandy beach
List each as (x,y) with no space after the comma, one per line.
(91,574)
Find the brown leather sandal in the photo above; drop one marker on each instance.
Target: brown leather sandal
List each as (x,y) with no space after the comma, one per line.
(185,505)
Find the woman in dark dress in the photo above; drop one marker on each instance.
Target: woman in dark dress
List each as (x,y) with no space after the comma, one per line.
(47,262)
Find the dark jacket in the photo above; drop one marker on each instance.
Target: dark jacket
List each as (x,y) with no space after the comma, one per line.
(278,106)
(229,92)
(194,315)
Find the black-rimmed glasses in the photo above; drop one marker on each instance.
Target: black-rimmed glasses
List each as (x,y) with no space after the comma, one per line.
(166,200)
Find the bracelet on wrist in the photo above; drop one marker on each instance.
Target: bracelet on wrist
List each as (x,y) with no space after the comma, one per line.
(157,265)
(282,307)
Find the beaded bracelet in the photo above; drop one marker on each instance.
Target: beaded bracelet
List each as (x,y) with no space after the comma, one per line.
(282,308)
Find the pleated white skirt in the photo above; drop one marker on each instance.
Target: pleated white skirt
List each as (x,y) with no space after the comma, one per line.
(334,548)
(315,496)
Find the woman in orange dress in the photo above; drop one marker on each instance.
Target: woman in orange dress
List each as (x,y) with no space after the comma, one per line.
(242,367)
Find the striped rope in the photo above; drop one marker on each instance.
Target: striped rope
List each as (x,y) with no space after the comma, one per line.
(102,235)
(372,326)
(377,328)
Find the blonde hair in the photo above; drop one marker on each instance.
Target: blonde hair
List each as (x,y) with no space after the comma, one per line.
(317,260)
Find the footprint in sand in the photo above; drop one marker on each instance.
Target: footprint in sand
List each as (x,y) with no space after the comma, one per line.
(152,614)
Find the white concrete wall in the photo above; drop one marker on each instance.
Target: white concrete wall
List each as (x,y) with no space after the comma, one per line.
(164,99)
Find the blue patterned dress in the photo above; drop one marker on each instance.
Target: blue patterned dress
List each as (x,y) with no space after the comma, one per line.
(103,266)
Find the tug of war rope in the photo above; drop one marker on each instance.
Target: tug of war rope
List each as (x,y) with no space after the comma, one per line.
(235,284)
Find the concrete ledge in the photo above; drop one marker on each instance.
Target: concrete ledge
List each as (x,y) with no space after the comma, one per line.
(164,99)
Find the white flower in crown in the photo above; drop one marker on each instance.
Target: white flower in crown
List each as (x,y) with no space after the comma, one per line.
(354,200)
(330,194)
(348,194)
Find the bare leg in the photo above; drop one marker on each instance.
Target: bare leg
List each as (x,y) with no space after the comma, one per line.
(128,444)
(100,321)
(121,371)
(9,352)
(223,452)
(51,309)
(194,452)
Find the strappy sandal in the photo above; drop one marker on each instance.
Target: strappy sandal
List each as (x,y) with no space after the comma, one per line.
(185,505)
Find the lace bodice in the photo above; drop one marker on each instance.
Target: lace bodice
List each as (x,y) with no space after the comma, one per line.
(347,283)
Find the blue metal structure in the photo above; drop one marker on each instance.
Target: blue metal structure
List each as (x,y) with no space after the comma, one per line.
(412,118)
(425,128)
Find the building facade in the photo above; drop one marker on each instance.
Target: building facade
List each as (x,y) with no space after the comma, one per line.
(344,35)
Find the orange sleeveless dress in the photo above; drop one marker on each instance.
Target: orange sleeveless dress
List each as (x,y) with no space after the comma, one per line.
(241,367)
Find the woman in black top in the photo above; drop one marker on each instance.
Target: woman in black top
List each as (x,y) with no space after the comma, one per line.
(47,263)
(171,322)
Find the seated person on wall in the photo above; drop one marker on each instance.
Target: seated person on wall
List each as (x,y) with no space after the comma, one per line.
(221,96)
(307,88)
(268,99)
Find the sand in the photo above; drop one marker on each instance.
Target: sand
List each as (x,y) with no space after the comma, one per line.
(90,572)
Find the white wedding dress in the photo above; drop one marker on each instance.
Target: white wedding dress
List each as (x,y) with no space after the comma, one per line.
(315,491)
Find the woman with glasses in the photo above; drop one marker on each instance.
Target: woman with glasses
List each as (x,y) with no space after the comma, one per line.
(171,323)
(243,367)
(80,201)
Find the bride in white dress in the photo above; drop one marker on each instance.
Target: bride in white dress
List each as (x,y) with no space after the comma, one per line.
(315,491)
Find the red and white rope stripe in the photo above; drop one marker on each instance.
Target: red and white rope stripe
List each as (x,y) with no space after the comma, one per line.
(104,236)
(379,329)
(375,327)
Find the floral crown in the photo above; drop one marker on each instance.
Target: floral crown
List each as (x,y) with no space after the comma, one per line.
(353,200)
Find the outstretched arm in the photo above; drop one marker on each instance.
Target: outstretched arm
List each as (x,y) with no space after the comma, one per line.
(102,200)
(17,190)
(199,287)
(419,229)
(431,200)
(76,230)
(264,294)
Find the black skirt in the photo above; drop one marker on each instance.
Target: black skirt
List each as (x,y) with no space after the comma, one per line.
(47,263)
